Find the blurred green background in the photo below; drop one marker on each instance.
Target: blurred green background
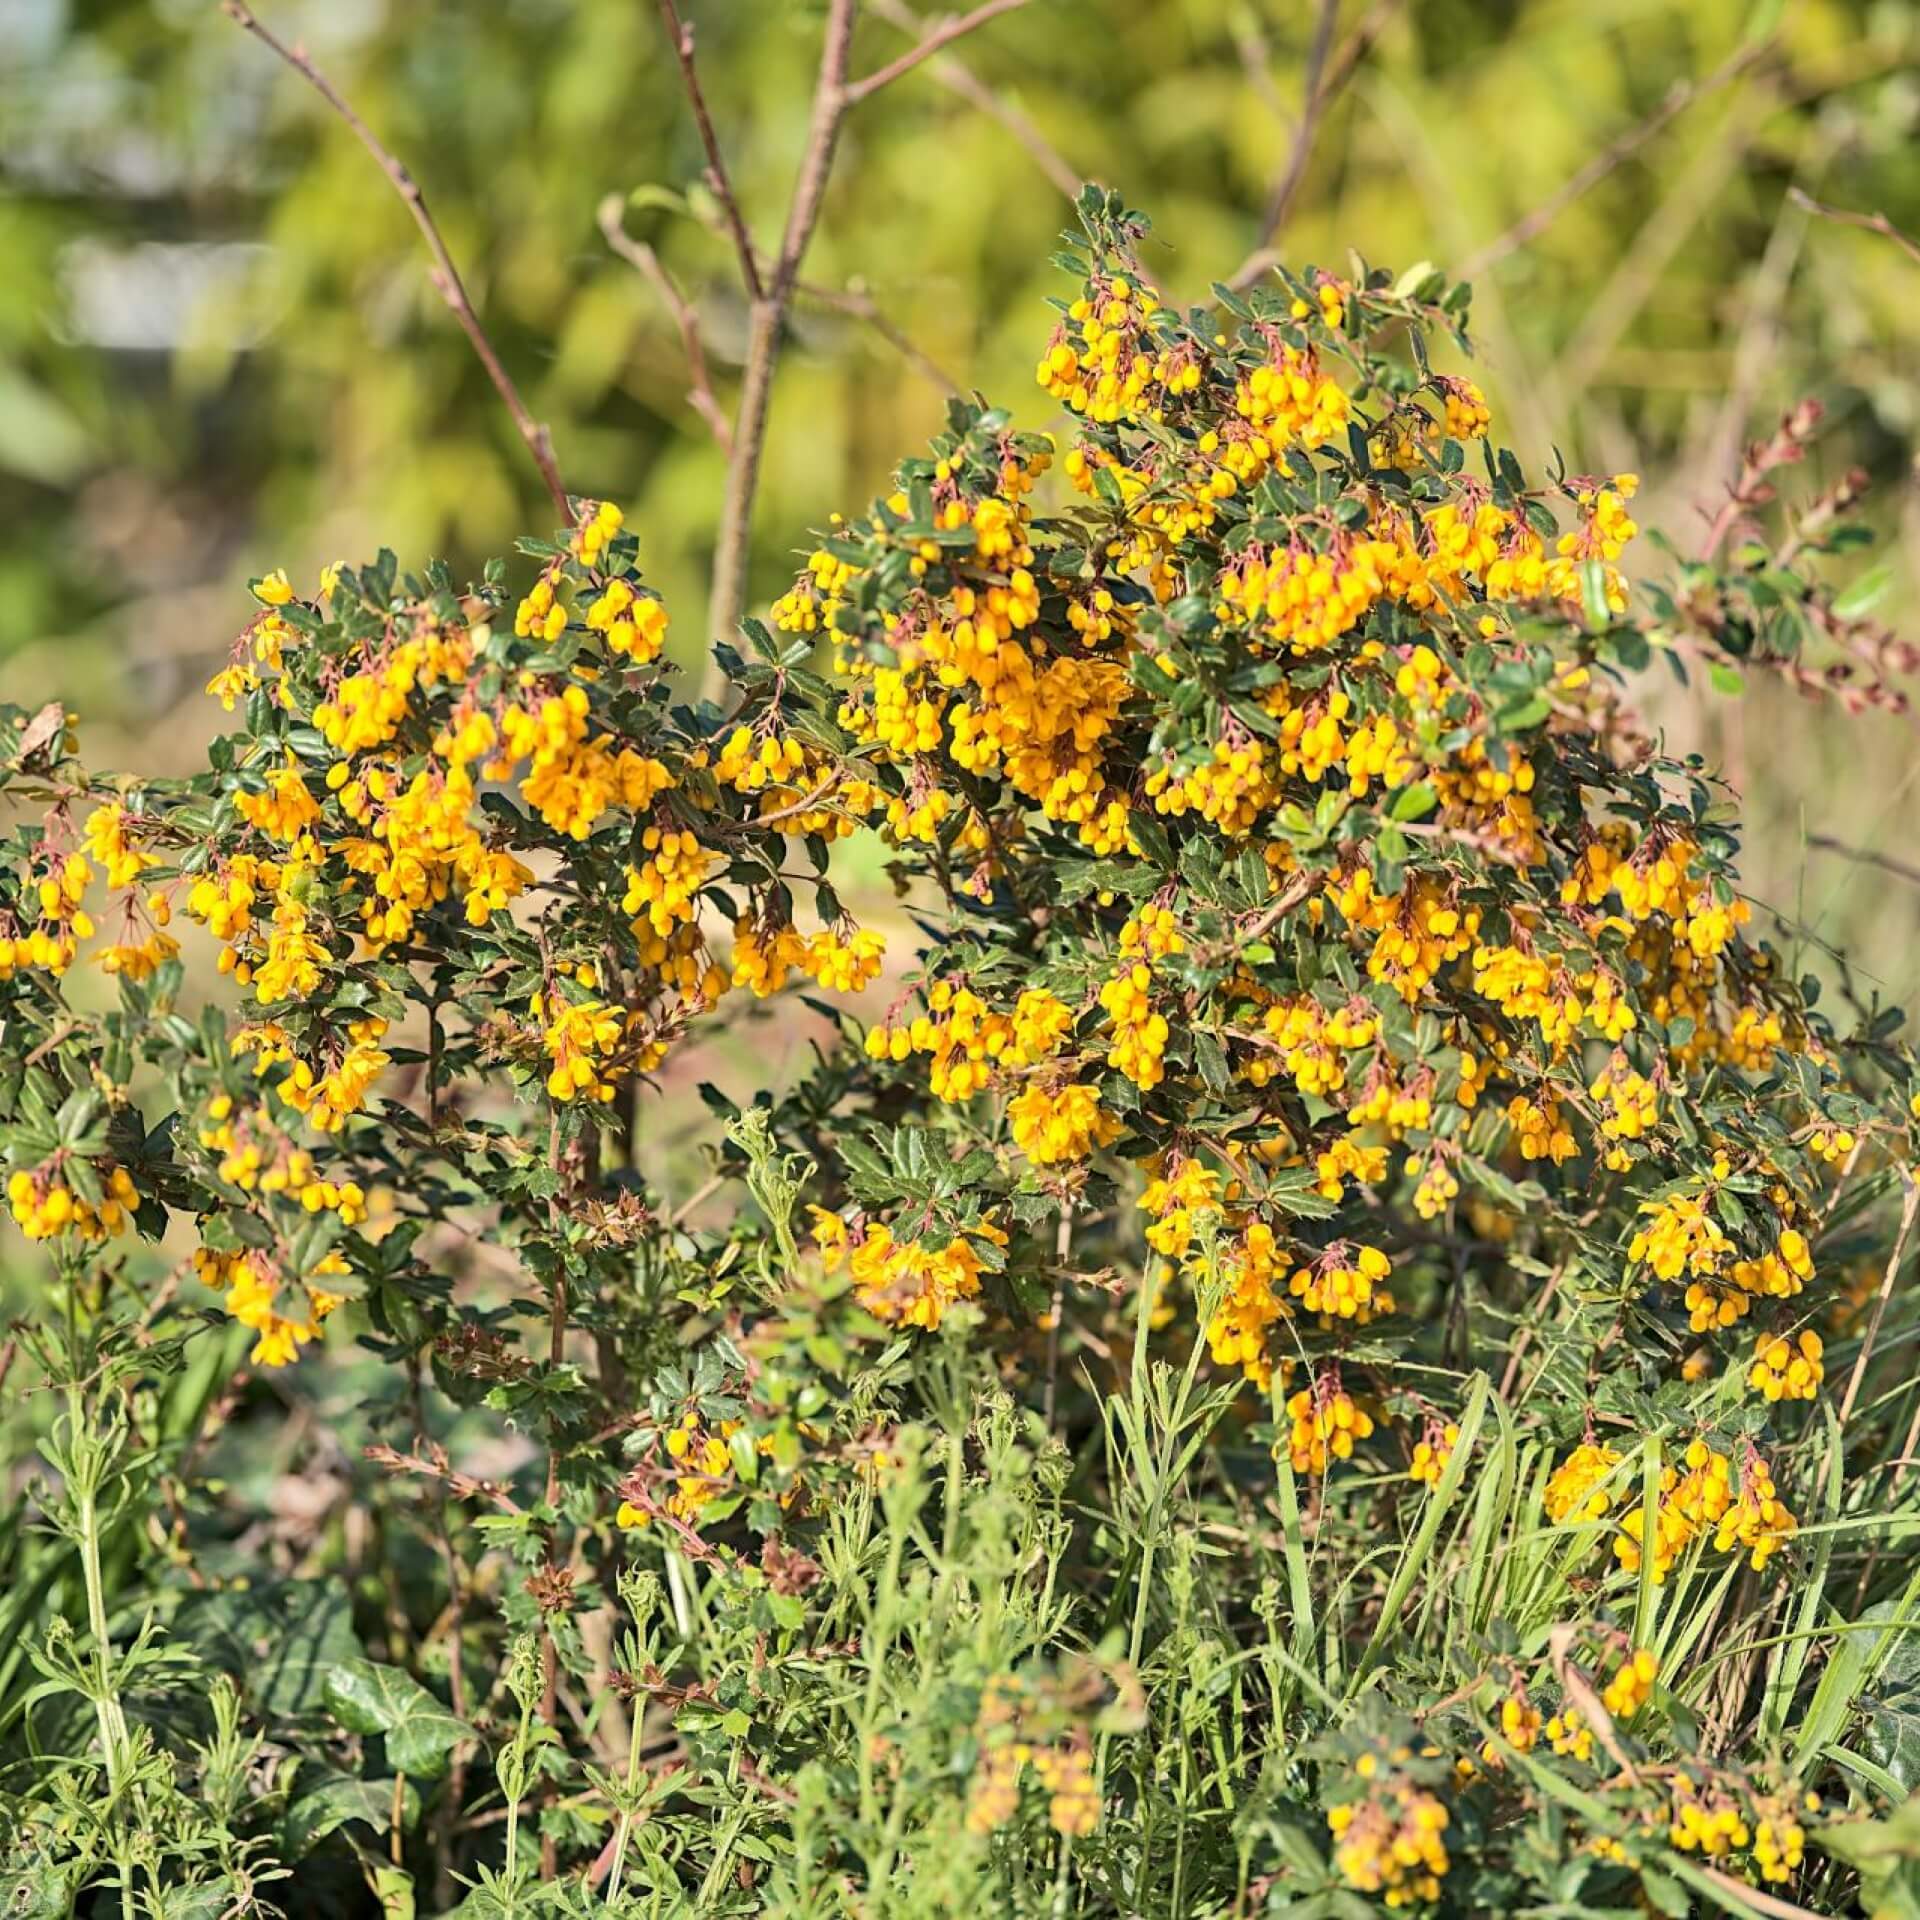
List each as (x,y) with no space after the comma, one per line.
(219,350)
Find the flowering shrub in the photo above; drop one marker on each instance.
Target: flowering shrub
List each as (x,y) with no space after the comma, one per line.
(1335,1341)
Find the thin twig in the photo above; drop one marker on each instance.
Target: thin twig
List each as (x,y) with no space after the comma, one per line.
(767,322)
(941,33)
(639,255)
(682,39)
(1355,47)
(1314,100)
(1256,62)
(958,78)
(1865,856)
(858,304)
(1680,96)
(1869,222)
(1740,1893)
(446,275)
(1909,1206)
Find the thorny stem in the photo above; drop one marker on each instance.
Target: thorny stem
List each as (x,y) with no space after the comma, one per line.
(770,290)
(642,257)
(446,275)
(960,80)
(1846,217)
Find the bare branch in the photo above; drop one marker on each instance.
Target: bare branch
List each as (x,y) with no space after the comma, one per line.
(639,255)
(1327,73)
(1680,96)
(1901,869)
(1256,61)
(717,179)
(942,33)
(768,318)
(858,304)
(958,78)
(1356,46)
(446,275)
(1870,222)
(1280,199)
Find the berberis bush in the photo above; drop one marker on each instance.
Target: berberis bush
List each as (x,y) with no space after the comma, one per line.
(1337,1343)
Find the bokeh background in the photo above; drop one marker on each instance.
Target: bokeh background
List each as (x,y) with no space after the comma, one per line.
(220,352)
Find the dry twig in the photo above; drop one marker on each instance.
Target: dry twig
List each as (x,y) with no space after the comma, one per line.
(1314,99)
(722,187)
(958,78)
(446,275)
(765,327)
(1679,98)
(1869,222)
(938,35)
(639,255)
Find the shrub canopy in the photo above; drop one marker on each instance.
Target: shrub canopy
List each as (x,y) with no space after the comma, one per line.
(1303,1320)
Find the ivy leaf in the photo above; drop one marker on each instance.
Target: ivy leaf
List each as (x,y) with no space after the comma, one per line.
(420,1733)
(280,1639)
(325,1801)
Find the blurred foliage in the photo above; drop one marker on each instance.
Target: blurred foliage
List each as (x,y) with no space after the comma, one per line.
(219,349)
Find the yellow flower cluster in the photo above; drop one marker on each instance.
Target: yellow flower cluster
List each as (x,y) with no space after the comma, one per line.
(1713,1823)
(253,1296)
(1573,1488)
(1391,1843)
(905,1282)
(327,1095)
(1632,1686)
(44,1203)
(257,1157)
(1102,360)
(1345,1284)
(969,1042)
(62,925)
(583,1039)
(702,1470)
(1787,1369)
(1430,1457)
(1063,1124)
(1630,1107)
(1009,1743)
(1712,1828)
(1701,1498)
(1253,1267)
(1324,1424)
(1139,1032)
(1520,1722)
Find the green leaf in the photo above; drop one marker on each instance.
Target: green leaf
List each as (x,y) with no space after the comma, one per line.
(420,1733)
(279,1639)
(1865,593)
(1593,593)
(325,1801)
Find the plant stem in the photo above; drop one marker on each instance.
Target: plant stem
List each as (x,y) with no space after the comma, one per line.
(626,1812)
